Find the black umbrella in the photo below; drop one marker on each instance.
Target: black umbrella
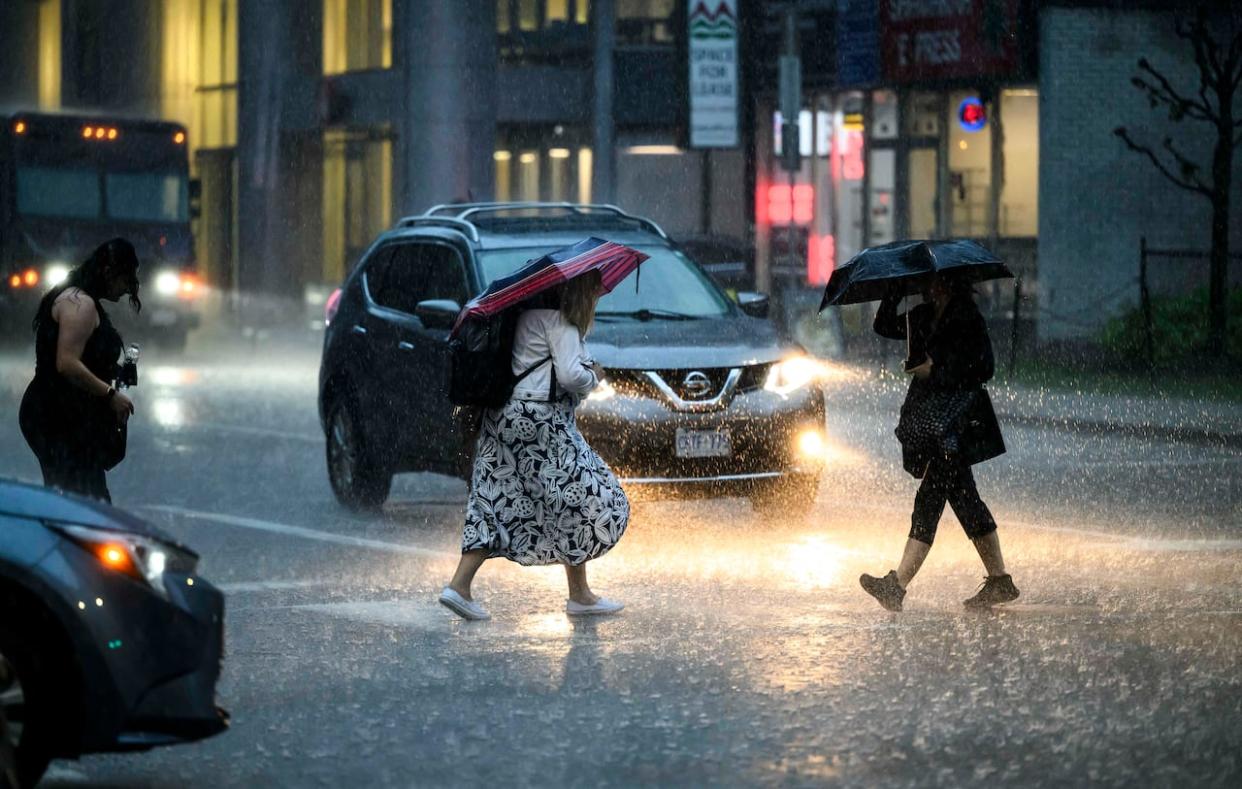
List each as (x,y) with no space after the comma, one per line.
(906,268)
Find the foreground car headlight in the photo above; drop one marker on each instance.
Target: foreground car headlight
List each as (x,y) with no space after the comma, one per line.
(602,391)
(142,558)
(792,374)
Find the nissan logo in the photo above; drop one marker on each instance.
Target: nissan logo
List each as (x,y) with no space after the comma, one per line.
(697,384)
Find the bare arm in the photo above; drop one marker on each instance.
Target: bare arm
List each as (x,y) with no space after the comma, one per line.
(75,313)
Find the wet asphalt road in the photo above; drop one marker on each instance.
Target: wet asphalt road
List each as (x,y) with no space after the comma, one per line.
(747,653)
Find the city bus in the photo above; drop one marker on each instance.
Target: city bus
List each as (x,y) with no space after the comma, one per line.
(69,182)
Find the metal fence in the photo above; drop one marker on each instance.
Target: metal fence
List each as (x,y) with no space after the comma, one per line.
(1181,281)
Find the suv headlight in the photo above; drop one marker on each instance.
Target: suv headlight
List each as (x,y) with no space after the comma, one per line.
(142,558)
(792,374)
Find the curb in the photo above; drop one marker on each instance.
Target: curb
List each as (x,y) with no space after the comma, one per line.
(1187,435)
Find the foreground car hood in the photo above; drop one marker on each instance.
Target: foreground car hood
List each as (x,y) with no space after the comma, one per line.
(38,503)
(671,345)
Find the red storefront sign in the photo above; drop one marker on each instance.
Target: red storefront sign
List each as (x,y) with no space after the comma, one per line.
(938,40)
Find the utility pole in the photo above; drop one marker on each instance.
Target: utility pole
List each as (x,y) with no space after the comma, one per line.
(790,107)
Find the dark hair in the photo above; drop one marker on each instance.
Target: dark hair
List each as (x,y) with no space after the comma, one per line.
(92,275)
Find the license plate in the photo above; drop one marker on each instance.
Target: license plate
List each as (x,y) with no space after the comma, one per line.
(703,444)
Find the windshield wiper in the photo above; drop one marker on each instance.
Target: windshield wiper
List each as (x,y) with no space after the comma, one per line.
(645,314)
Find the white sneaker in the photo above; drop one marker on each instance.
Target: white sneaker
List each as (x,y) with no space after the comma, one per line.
(601,607)
(466,609)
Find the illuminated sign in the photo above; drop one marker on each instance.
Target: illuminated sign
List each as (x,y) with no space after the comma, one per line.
(972,115)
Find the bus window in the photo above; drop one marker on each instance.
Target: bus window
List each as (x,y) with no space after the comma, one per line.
(51,191)
(148,197)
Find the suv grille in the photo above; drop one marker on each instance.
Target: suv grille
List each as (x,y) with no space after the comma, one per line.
(636,384)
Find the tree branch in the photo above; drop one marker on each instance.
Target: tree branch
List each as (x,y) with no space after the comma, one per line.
(1190,186)
(1165,93)
(1189,169)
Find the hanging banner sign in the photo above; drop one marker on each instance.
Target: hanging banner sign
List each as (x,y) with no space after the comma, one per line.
(932,40)
(713,87)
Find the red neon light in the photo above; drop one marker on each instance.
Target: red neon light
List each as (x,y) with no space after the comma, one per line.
(781,211)
(821,257)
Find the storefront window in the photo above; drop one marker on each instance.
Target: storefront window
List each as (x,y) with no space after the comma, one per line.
(1019,210)
(542,164)
(970,169)
(357,35)
(357,196)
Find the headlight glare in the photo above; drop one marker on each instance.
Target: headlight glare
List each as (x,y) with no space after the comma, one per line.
(792,374)
(56,274)
(167,283)
(604,391)
(142,558)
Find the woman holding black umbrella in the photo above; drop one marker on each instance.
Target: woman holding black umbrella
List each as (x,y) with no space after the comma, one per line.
(947,425)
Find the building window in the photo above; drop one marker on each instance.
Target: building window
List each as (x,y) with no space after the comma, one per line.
(645,22)
(357,195)
(357,35)
(532,166)
(49,54)
(543,30)
(1019,208)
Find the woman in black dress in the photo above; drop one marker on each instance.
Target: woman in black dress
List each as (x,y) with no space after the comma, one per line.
(947,425)
(71,412)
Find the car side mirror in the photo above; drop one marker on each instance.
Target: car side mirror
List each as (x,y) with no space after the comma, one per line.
(437,313)
(753,304)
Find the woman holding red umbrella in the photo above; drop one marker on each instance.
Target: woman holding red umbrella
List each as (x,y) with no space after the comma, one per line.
(539,494)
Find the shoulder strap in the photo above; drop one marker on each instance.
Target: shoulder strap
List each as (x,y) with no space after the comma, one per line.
(522,375)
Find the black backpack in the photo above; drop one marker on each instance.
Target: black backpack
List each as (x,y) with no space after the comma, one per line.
(481,362)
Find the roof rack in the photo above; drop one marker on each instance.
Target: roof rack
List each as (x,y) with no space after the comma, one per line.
(463,212)
(467,229)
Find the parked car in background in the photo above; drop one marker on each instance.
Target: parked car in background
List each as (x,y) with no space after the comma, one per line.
(701,395)
(109,638)
(730,261)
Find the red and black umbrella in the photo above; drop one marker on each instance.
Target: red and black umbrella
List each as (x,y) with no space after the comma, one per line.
(613,261)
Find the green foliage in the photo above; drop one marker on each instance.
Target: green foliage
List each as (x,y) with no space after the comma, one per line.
(1179,330)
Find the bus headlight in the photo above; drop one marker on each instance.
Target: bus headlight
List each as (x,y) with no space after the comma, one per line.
(167,283)
(55,274)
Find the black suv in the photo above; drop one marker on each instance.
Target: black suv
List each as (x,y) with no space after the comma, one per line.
(700,395)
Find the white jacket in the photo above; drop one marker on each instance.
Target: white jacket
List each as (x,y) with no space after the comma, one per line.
(544,333)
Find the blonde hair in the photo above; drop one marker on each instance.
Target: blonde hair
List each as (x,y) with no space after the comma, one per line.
(578,299)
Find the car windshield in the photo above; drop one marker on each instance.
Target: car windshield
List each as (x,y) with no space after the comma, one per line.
(75,194)
(148,197)
(669,285)
(56,191)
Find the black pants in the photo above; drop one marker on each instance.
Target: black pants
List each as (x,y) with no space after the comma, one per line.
(64,472)
(951,482)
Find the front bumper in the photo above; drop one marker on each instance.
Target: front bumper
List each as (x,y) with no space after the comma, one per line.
(636,436)
(149,662)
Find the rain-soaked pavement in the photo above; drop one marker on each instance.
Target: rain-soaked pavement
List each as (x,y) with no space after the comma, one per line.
(747,654)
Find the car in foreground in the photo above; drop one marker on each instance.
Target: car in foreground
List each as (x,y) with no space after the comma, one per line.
(701,394)
(109,639)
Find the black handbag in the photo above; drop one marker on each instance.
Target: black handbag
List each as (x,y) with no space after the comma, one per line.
(931,419)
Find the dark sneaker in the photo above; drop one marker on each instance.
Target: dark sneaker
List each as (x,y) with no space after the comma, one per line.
(994,590)
(886,590)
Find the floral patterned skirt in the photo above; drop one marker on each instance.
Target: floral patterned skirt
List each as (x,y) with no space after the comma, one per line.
(539,494)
